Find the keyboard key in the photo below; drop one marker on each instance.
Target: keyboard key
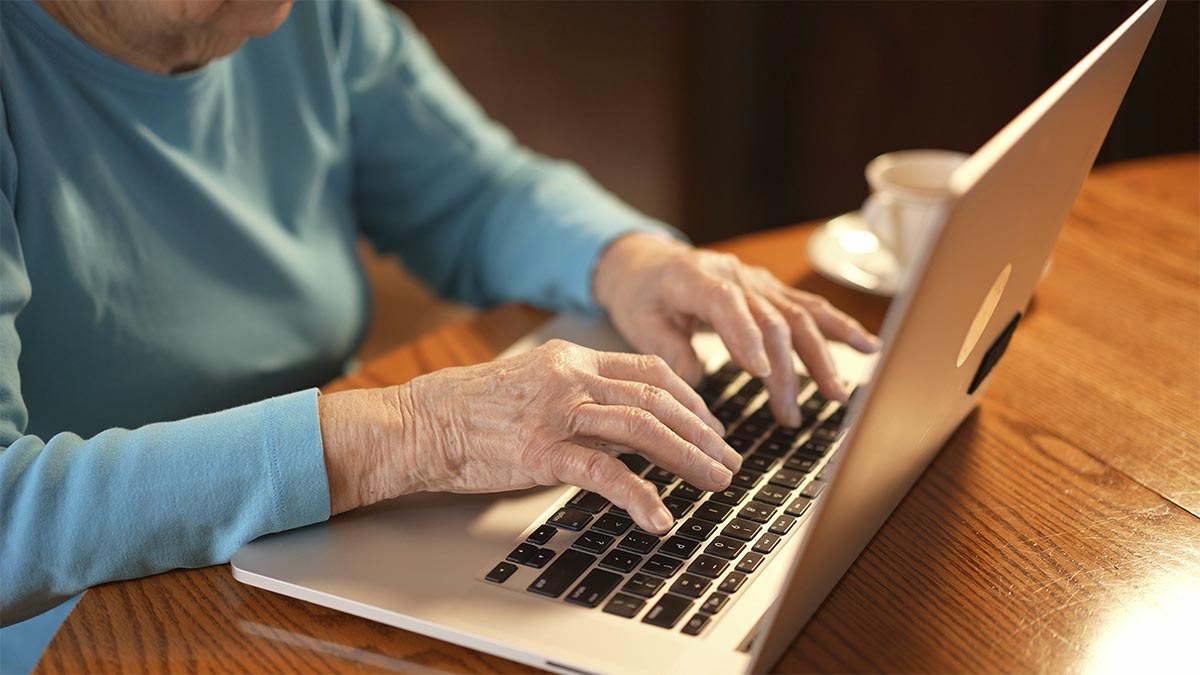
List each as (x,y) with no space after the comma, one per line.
(813,489)
(687,491)
(732,582)
(540,536)
(746,479)
(826,434)
(728,413)
(774,448)
(713,511)
(570,519)
(697,529)
(813,405)
(660,475)
(714,603)
(786,435)
(782,525)
(678,547)
(813,449)
(638,542)
(561,573)
(677,507)
(636,463)
(662,566)
(690,585)
(625,606)
(621,561)
(757,512)
(731,495)
(800,463)
(500,573)
(610,523)
(522,554)
(593,542)
(741,529)
(798,507)
(787,478)
(751,389)
(766,543)
(752,427)
(668,611)
(708,566)
(695,624)
(749,563)
(594,588)
(759,462)
(741,444)
(588,501)
(724,547)
(773,495)
(642,584)
(539,559)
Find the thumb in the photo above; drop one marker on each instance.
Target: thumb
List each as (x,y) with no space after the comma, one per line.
(674,345)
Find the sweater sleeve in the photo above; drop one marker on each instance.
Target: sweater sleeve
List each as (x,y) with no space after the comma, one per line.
(477,216)
(76,512)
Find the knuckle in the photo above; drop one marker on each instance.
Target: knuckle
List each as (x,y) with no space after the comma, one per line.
(775,325)
(639,420)
(598,467)
(652,396)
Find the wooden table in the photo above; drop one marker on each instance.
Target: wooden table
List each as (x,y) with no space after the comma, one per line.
(1059,530)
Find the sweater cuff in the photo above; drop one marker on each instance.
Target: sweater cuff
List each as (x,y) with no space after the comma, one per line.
(295,458)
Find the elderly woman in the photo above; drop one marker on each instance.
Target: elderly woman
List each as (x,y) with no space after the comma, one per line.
(178,270)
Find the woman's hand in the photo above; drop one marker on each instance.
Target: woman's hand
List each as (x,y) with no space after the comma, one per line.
(541,418)
(658,290)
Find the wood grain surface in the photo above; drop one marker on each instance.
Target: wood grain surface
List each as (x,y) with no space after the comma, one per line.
(1058,531)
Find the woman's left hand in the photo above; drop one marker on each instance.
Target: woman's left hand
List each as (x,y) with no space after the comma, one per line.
(657,291)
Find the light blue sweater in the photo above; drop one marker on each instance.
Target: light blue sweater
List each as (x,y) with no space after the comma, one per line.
(177,271)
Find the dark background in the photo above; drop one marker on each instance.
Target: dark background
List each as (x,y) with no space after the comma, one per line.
(729,117)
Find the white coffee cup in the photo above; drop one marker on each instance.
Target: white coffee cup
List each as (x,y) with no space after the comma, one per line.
(909,191)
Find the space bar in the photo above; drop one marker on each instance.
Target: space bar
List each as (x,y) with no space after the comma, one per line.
(561,573)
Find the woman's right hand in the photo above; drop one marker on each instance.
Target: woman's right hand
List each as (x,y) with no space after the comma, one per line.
(541,418)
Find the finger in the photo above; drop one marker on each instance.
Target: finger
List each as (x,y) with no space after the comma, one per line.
(836,324)
(642,431)
(678,418)
(599,472)
(814,352)
(674,344)
(654,370)
(782,383)
(722,304)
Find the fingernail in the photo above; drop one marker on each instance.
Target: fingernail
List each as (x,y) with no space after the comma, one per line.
(719,428)
(760,366)
(793,417)
(720,476)
(661,518)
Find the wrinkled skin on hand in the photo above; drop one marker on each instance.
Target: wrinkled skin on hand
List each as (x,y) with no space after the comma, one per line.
(541,418)
(557,413)
(658,291)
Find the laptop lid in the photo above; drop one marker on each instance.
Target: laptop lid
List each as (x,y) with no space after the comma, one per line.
(946,331)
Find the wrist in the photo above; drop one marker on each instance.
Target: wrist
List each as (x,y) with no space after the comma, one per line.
(621,261)
(369,443)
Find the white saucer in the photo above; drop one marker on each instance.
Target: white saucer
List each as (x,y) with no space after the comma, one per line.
(844,251)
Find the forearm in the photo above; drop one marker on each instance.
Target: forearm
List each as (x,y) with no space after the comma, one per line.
(124,504)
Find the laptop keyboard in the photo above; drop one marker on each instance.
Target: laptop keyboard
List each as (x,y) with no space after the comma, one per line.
(592,555)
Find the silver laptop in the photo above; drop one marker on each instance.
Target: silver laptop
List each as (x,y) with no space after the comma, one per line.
(561,579)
